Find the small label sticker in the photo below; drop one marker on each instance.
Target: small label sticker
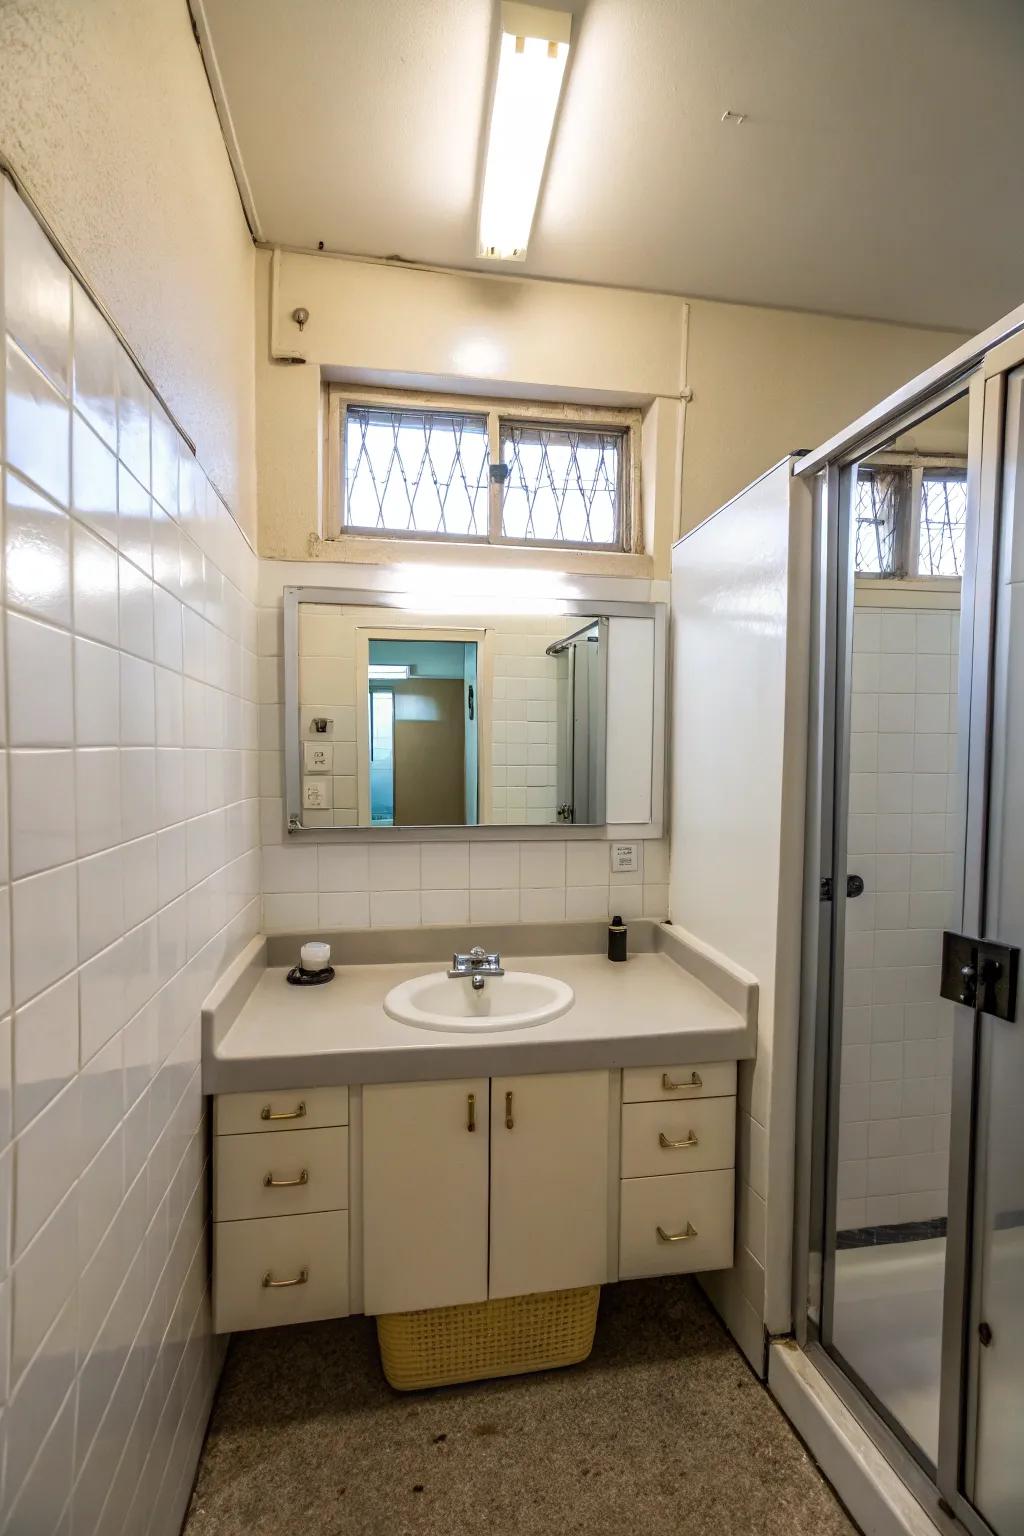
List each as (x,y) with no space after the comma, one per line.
(625,858)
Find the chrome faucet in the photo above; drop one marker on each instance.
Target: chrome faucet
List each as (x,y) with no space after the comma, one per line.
(478,964)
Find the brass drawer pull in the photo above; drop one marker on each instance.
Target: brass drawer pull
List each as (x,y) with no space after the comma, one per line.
(509,1117)
(270,1284)
(676,1237)
(470,1111)
(677,1146)
(693,1081)
(299,1113)
(269,1182)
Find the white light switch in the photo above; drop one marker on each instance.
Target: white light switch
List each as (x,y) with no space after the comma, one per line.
(319,756)
(625,858)
(316,794)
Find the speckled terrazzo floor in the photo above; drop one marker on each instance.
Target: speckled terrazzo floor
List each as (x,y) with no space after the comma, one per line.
(663,1432)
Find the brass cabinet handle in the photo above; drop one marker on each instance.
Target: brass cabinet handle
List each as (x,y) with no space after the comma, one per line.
(676,1237)
(509,1118)
(269,1182)
(470,1111)
(693,1081)
(270,1284)
(299,1113)
(676,1146)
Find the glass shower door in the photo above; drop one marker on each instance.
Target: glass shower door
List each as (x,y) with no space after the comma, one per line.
(913,1056)
(896,885)
(994,1441)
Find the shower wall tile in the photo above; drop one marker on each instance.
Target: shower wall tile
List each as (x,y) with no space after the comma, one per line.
(110,932)
(897,1032)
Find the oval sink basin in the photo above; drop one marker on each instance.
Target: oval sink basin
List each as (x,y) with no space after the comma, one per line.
(516,1000)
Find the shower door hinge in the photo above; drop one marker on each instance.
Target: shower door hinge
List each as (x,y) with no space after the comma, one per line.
(825,889)
(980,974)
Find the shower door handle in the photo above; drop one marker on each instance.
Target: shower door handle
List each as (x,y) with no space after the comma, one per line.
(854,887)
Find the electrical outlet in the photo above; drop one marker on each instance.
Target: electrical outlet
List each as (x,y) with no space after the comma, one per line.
(316,794)
(625,858)
(319,757)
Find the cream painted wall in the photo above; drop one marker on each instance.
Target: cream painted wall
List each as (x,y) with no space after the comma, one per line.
(764,381)
(106,117)
(769,381)
(413,328)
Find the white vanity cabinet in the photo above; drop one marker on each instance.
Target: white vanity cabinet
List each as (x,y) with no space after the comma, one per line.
(425,1194)
(678,1151)
(549,1182)
(468,1189)
(280,1208)
(522,1161)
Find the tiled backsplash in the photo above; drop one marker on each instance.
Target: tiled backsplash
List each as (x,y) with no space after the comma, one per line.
(307,885)
(903,838)
(407,884)
(130,874)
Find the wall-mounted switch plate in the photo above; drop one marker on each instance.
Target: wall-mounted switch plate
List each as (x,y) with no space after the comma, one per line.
(316,794)
(318,757)
(625,858)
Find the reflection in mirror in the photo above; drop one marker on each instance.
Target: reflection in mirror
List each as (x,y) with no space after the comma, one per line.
(407,723)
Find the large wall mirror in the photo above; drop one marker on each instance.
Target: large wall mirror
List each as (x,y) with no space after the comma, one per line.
(398,719)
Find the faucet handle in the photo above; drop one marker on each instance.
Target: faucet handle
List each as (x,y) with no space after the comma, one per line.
(478,953)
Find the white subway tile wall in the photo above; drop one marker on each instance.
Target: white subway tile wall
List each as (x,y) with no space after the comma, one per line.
(525,721)
(129,874)
(904,839)
(326,885)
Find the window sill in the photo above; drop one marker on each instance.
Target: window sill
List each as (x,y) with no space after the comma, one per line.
(351,549)
(917,591)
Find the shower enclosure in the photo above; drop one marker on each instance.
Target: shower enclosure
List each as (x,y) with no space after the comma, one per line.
(910,1247)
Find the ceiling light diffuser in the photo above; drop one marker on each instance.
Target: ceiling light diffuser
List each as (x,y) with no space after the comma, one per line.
(532,56)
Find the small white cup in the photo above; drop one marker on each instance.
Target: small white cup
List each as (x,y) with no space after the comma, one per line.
(315,956)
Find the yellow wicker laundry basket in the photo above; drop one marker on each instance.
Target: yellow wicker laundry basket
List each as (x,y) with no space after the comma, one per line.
(506,1337)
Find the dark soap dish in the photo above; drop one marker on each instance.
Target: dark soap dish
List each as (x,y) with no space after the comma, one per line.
(300,978)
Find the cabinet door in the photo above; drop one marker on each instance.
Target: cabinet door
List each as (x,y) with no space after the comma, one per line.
(549,1182)
(425,1153)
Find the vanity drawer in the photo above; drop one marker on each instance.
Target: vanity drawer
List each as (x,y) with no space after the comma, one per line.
(280,1176)
(703,1079)
(705,1127)
(697,1204)
(287,1109)
(248,1256)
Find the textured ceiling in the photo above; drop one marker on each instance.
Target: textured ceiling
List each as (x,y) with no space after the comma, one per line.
(878,171)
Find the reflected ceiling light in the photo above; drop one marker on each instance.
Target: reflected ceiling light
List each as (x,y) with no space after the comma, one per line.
(531,65)
(488,604)
(443,582)
(378,671)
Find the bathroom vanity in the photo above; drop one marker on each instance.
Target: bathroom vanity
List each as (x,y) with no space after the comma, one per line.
(361,1164)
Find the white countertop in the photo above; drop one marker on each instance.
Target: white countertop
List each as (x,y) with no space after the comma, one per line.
(649,1011)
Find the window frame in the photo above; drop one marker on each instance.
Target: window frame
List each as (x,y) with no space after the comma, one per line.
(555,415)
(907,529)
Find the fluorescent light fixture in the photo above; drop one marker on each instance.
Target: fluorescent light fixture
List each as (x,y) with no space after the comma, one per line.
(531,65)
(382,671)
